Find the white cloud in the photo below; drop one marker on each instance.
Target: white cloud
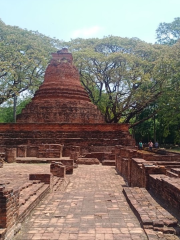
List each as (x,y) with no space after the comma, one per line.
(86,32)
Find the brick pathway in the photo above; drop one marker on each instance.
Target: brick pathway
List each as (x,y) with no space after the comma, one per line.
(92,207)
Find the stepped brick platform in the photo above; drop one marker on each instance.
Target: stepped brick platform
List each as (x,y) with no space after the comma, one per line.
(159,174)
(21,191)
(149,212)
(92,207)
(30,196)
(136,166)
(83,135)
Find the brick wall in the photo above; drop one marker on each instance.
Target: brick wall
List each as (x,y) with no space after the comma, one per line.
(9,205)
(10,155)
(86,136)
(40,151)
(167,188)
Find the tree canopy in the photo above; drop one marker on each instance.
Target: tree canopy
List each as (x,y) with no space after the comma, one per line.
(122,76)
(168,33)
(23,58)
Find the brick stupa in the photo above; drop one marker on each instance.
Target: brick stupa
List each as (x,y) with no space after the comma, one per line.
(61,113)
(61,98)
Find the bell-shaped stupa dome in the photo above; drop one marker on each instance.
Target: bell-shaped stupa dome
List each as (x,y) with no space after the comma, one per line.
(61,98)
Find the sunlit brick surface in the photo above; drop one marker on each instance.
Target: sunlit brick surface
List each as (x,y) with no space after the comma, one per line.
(92,207)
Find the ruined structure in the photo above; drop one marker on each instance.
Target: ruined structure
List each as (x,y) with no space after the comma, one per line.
(62,113)
(160,175)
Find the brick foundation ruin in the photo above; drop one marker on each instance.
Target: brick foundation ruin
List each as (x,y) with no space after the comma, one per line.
(18,198)
(146,174)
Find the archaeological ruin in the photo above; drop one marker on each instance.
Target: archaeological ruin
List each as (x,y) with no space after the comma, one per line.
(61,129)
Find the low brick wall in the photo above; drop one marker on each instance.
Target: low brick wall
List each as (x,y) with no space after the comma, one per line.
(18,200)
(40,151)
(135,166)
(124,152)
(124,168)
(150,168)
(167,188)
(9,202)
(46,178)
(136,172)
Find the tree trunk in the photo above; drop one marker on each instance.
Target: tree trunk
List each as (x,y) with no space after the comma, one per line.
(14,108)
(154,128)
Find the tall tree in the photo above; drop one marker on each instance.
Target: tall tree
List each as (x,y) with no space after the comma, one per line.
(169,108)
(168,33)
(23,58)
(130,72)
(167,119)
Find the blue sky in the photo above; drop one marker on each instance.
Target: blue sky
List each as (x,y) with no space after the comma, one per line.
(67,19)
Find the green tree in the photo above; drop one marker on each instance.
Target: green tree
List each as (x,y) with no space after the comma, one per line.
(168,33)
(167,119)
(169,108)
(24,56)
(130,72)
(6,110)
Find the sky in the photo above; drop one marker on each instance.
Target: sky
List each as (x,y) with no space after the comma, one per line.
(69,19)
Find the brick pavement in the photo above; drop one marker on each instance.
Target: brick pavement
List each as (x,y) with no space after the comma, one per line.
(92,207)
